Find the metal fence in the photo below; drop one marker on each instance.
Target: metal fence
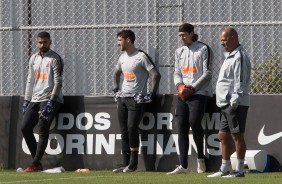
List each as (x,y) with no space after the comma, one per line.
(84,34)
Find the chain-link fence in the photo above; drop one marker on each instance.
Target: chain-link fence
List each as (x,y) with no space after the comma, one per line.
(84,34)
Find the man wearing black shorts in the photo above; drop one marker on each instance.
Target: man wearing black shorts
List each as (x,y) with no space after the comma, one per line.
(232,96)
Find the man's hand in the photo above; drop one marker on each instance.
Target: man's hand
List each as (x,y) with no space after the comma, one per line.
(25,105)
(185,92)
(233,108)
(45,113)
(116,96)
(152,96)
(115,90)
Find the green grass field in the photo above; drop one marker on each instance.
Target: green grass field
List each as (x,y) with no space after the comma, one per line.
(107,177)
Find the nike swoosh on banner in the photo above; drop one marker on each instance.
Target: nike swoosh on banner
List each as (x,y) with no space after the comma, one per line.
(266,139)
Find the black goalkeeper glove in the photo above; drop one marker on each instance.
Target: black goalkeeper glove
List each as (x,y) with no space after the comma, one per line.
(115,90)
(25,105)
(45,113)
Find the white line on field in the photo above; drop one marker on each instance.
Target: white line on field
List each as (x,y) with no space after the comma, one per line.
(85,177)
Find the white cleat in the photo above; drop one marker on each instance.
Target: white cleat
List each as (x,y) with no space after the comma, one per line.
(201,165)
(178,170)
(118,170)
(235,174)
(127,169)
(218,174)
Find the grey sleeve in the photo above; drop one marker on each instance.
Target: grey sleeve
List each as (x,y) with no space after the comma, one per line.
(237,88)
(58,77)
(207,74)
(205,78)
(155,76)
(177,69)
(116,78)
(30,80)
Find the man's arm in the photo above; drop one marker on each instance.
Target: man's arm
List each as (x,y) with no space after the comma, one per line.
(205,78)
(156,77)
(178,79)
(30,80)
(237,90)
(58,77)
(207,74)
(116,80)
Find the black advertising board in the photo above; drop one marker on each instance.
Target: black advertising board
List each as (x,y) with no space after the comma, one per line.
(86,134)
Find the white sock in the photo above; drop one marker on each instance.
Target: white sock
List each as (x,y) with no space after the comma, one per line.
(240,165)
(225,165)
(200,160)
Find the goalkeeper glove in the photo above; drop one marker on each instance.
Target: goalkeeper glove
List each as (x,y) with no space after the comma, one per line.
(25,105)
(185,92)
(45,113)
(115,90)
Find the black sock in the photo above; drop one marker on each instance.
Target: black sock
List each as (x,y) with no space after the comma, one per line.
(133,160)
(125,154)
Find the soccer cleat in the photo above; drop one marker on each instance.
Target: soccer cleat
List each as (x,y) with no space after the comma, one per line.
(218,174)
(201,165)
(118,170)
(34,168)
(179,169)
(235,174)
(127,169)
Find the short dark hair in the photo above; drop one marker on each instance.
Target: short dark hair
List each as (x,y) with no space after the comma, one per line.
(186,27)
(127,33)
(43,34)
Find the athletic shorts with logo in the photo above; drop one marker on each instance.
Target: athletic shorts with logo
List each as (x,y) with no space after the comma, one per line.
(233,121)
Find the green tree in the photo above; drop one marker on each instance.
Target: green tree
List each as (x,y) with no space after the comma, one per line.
(267,76)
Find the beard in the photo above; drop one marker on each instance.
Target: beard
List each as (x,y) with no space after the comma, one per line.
(44,49)
(121,47)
